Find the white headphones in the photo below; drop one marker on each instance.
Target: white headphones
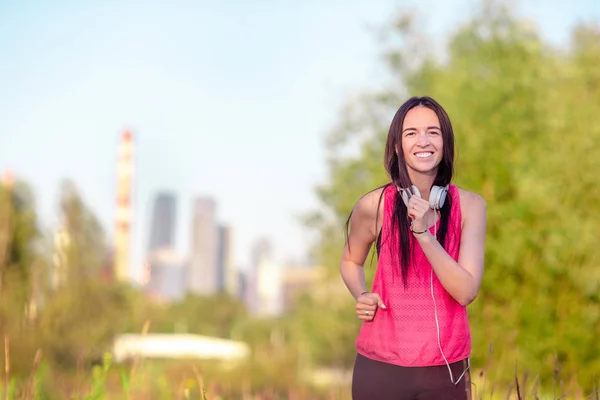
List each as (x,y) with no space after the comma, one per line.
(437,196)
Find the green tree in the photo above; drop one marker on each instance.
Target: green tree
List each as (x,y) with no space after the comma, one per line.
(81,314)
(523,114)
(19,241)
(21,266)
(84,247)
(204,315)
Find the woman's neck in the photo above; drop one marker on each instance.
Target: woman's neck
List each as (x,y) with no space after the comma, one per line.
(423,182)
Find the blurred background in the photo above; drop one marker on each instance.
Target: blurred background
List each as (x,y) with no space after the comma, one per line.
(176,176)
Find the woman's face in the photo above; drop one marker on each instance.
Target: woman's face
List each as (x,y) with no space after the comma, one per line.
(422,142)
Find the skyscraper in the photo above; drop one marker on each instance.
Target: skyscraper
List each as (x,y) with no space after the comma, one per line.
(162,228)
(264,287)
(227,277)
(202,270)
(242,292)
(166,275)
(297,280)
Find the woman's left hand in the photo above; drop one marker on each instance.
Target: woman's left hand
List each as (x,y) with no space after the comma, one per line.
(418,209)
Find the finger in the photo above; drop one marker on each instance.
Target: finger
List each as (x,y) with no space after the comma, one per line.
(366,307)
(413,210)
(420,200)
(367,300)
(416,201)
(417,213)
(418,204)
(363,309)
(361,312)
(379,301)
(370,302)
(418,209)
(365,315)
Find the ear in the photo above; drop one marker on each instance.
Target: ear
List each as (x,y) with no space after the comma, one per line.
(396,147)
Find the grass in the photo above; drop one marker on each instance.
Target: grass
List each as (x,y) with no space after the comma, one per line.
(146,379)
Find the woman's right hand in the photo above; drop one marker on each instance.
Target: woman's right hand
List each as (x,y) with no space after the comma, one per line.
(367,304)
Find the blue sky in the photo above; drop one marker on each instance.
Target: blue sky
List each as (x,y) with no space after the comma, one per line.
(229,99)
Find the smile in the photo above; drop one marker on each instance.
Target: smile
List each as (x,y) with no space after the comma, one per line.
(424,154)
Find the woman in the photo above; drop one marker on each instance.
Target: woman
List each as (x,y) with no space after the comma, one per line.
(415,340)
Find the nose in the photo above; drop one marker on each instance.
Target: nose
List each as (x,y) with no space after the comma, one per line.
(423,140)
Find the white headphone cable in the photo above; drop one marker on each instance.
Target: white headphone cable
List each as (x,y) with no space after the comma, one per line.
(437,325)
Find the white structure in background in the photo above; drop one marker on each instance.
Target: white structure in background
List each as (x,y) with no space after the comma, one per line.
(178,346)
(266,281)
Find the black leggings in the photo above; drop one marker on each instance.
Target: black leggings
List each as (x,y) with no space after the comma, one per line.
(375,380)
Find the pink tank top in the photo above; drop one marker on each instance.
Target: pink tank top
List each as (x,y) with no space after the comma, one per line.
(405,333)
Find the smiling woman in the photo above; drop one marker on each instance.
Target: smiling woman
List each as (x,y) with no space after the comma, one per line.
(415,340)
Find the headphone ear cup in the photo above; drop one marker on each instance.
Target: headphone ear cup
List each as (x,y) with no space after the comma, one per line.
(415,191)
(404,195)
(434,197)
(443,195)
(437,197)
(407,193)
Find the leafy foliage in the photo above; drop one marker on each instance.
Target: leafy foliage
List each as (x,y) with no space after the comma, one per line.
(523,114)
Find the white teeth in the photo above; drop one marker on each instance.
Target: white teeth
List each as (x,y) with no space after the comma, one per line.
(423,155)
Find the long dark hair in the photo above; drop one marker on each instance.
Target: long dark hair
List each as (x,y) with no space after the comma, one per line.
(395,166)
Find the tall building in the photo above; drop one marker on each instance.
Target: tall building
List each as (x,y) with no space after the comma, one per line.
(242,292)
(268,288)
(202,272)
(123,214)
(264,287)
(162,227)
(227,276)
(296,281)
(166,279)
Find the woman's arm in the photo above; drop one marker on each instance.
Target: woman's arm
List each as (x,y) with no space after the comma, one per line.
(461,279)
(362,234)
(364,225)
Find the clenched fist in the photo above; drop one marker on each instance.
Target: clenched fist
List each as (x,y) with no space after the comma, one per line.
(367,304)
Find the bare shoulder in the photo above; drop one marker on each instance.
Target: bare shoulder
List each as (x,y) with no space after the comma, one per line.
(471,203)
(368,205)
(471,199)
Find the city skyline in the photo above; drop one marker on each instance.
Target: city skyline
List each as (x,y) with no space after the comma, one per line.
(209,255)
(70,88)
(267,288)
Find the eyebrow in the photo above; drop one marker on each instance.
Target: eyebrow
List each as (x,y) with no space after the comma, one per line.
(429,127)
